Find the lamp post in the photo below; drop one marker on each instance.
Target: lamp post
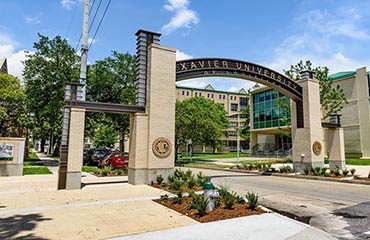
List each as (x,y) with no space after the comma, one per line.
(237,136)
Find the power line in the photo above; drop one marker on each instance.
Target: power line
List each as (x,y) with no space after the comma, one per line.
(96,12)
(92,7)
(70,24)
(101,20)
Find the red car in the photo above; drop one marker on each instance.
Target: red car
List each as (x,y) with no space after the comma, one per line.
(115,160)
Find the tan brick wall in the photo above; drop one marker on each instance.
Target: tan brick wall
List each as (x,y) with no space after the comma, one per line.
(76,140)
(17,152)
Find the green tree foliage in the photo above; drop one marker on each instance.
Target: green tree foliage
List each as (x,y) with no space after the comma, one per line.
(12,111)
(331,99)
(46,71)
(105,136)
(111,80)
(244,132)
(200,120)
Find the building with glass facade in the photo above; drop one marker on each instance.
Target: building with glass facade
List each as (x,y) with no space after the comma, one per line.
(270,122)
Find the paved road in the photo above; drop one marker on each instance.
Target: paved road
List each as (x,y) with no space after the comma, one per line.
(343,210)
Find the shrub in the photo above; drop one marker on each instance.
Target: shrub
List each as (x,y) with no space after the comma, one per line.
(229,199)
(337,172)
(356,177)
(176,185)
(164,197)
(252,199)
(105,170)
(178,198)
(160,179)
(164,184)
(171,178)
(223,189)
(191,182)
(305,171)
(327,174)
(200,204)
(317,171)
(323,170)
(286,169)
(239,200)
(353,170)
(345,172)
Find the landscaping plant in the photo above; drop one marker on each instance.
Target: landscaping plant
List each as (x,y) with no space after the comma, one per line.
(160,179)
(252,199)
(337,172)
(323,170)
(305,171)
(229,199)
(353,170)
(345,172)
(200,204)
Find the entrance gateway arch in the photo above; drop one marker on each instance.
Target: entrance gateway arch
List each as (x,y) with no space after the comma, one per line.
(152,119)
(152,132)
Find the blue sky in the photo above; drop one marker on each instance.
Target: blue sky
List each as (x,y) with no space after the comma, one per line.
(276,34)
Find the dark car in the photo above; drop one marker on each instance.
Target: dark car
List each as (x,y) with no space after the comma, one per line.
(88,152)
(115,160)
(97,155)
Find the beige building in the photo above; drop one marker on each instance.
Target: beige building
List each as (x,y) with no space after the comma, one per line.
(233,102)
(355,117)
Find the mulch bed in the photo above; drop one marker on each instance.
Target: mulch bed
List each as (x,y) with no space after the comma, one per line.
(220,213)
(362,179)
(183,189)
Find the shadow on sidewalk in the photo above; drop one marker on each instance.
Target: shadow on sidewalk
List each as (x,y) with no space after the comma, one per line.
(12,227)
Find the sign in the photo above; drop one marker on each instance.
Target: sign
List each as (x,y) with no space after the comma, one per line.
(162,147)
(205,67)
(316,148)
(6,152)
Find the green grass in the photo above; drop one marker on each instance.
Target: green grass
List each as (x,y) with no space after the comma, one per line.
(206,165)
(36,170)
(205,156)
(89,169)
(357,161)
(33,155)
(272,161)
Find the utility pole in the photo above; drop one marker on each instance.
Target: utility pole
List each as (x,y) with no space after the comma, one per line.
(84,49)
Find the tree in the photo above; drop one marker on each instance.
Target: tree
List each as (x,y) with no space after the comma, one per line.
(111,80)
(331,99)
(200,120)
(105,136)
(13,117)
(46,71)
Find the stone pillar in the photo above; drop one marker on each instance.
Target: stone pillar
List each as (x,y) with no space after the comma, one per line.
(335,142)
(253,140)
(75,148)
(153,133)
(11,156)
(308,141)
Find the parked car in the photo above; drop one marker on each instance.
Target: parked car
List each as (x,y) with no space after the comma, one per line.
(115,160)
(97,155)
(87,155)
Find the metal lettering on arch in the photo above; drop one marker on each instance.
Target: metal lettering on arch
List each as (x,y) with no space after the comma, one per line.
(208,67)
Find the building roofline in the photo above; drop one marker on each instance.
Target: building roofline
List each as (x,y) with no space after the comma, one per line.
(218,91)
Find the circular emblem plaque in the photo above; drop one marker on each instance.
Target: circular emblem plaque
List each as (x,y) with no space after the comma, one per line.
(162,147)
(316,148)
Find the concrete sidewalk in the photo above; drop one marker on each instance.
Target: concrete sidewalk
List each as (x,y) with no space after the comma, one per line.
(109,207)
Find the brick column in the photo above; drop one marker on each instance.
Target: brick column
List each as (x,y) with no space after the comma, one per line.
(308,141)
(153,133)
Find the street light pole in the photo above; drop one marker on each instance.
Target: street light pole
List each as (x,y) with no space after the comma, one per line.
(237,140)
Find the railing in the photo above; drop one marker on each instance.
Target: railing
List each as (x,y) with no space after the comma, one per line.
(271,150)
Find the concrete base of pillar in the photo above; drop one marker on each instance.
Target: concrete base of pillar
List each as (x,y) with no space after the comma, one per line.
(11,169)
(147,176)
(298,166)
(73,180)
(337,164)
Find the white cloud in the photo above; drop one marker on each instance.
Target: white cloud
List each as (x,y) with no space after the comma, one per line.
(32,20)
(326,39)
(183,16)
(182,56)
(69,3)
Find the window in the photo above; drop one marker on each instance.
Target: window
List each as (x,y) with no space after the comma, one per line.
(207,95)
(243,103)
(187,93)
(234,97)
(231,97)
(212,95)
(233,124)
(219,96)
(234,107)
(183,93)
(196,94)
(200,94)
(266,112)
(224,96)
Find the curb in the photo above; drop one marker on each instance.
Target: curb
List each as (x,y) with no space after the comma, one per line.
(313,178)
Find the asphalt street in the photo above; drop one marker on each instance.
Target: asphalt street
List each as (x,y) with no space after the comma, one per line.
(341,209)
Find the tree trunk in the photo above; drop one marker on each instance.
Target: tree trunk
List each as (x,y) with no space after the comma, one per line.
(51,145)
(42,145)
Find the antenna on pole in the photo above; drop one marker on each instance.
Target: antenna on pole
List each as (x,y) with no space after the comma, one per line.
(84,49)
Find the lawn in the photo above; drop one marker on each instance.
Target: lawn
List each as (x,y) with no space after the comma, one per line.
(33,160)
(206,156)
(35,170)
(89,169)
(358,161)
